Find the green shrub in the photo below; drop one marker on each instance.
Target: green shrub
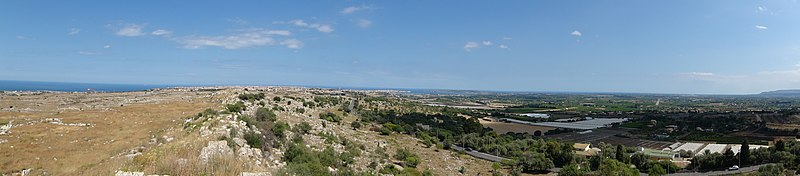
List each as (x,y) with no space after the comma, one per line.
(279,129)
(251,97)
(236,107)
(355,124)
(303,127)
(264,114)
(253,139)
(329,116)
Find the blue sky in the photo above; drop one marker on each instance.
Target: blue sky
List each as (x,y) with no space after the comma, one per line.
(726,47)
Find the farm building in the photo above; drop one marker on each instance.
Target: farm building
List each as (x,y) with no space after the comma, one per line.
(713,148)
(690,147)
(658,154)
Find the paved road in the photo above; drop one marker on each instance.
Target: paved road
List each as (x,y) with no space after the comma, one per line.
(477,154)
(741,170)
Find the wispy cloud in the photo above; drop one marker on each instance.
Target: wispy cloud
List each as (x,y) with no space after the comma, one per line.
(107,46)
(319,27)
(87,53)
(244,39)
(487,43)
(364,23)
(74,31)
(761,27)
(353,9)
(576,33)
(699,74)
(161,32)
(503,46)
(292,43)
(131,30)
(469,46)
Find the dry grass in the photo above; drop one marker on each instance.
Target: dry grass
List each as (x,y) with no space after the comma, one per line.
(71,150)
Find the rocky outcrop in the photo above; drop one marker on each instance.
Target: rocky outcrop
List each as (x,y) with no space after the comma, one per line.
(215,148)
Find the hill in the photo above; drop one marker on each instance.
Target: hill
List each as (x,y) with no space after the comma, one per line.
(782,93)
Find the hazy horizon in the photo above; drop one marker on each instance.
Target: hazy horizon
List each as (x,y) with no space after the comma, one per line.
(669,47)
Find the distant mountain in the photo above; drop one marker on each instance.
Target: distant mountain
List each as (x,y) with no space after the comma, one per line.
(788,92)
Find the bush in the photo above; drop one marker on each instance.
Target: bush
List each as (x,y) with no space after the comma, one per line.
(276,98)
(303,127)
(356,125)
(247,120)
(408,159)
(264,114)
(279,128)
(236,107)
(251,97)
(329,116)
(253,139)
(207,113)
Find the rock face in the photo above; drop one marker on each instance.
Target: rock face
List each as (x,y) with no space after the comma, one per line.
(215,148)
(254,174)
(123,173)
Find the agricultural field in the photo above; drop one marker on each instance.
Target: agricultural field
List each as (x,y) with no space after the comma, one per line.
(505,127)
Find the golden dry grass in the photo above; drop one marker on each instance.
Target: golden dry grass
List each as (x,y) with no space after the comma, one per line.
(72,150)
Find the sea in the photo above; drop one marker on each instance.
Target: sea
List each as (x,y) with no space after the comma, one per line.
(73,87)
(9,85)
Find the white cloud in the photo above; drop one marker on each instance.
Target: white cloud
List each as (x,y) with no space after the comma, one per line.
(292,43)
(131,30)
(74,31)
(161,32)
(503,46)
(87,53)
(576,33)
(761,8)
(319,27)
(279,32)
(471,46)
(325,28)
(487,43)
(364,23)
(352,9)
(700,74)
(244,39)
(107,46)
(761,27)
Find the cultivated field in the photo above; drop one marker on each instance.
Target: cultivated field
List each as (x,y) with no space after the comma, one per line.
(503,127)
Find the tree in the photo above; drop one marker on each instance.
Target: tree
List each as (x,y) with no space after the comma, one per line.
(744,153)
(639,160)
(572,170)
(620,154)
(728,158)
(770,170)
(535,161)
(614,167)
(656,170)
(780,145)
